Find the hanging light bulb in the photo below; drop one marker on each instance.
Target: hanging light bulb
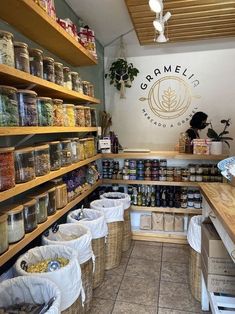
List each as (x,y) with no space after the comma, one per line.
(158,25)
(162,38)
(166,17)
(156,5)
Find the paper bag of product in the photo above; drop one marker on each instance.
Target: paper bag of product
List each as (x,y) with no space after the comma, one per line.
(145,222)
(179,223)
(168,222)
(157,221)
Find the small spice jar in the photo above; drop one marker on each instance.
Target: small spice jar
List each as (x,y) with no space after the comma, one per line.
(192,168)
(30,215)
(70,113)
(163,163)
(177,174)
(24,165)
(27,103)
(59,74)
(48,69)
(42,160)
(58,112)
(67,78)
(80,116)
(85,87)
(66,158)
(76,81)
(185,175)
(42,204)
(55,155)
(4,233)
(93,117)
(7,169)
(87,112)
(15,221)
(197,203)
(51,207)
(6,49)
(21,56)
(9,114)
(36,62)
(45,111)
(198,169)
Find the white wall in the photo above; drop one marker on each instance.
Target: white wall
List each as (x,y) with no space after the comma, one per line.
(214,67)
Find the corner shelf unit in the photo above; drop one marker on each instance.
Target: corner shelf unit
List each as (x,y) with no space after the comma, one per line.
(159,236)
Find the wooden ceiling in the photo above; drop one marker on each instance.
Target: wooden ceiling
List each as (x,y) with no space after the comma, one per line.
(190,20)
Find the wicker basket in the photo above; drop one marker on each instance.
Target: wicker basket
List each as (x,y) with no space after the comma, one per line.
(76,307)
(195,274)
(113,246)
(87,283)
(126,242)
(98,247)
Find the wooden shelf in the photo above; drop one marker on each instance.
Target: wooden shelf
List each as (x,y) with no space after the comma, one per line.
(146,182)
(29,19)
(22,80)
(15,248)
(190,211)
(22,187)
(159,236)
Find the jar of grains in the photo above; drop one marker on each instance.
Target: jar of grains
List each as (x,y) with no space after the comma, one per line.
(82,148)
(67,78)
(45,111)
(76,82)
(59,75)
(27,104)
(87,112)
(80,116)
(55,155)
(48,69)
(9,114)
(7,170)
(4,233)
(24,164)
(70,113)
(15,222)
(58,112)
(30,215)
(42,160)
(36,62)
(21,56)
(6,49)
(66,158)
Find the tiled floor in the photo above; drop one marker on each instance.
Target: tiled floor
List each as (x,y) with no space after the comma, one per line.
(152,278)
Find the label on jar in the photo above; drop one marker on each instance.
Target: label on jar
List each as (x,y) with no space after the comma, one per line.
(190,203)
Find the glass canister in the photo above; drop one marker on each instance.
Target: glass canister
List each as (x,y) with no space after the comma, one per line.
(6,49)
(59,75)
(61,196)
(70,113)
(30,215)
(24,165)
(45,111)
(51,207)
(67,78)
(58,112)
(4,233)
(7,169)
(80,116)
(9,114)
(55,155)
(76,81)
(93,117)
(89,147)
(42,160)
(15,222)
(85,87)
(91,90)
(36,62)
(21,56)
(48,69)
(75,148)
(82,149)
(42,204)
(87,113)
(27,104)
(66,158)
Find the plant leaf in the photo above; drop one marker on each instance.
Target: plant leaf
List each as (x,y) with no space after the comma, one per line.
(226,138)
(227,143)
(212,134)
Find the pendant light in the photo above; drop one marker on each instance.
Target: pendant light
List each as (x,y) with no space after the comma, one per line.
(159,25)
(156,5)
(161,38)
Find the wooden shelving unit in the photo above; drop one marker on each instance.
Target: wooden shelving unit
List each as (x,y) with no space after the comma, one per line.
(22,187)
(27,17)
(15,248)
(189,211)
(146,182)
(22,80)
(159,236)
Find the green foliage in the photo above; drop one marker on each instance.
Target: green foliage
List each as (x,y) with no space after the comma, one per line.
(220,137)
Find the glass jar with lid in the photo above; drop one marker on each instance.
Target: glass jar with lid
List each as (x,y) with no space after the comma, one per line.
(76,81)
(48,69)
(9,114)
(55,155)
(85,87)
(42,204)
(21,56)
(89,146)
(61,193)
(59,74)
(74,147)
(91,91)
(6,49)
(58,112)
(24,164)
(45,111)
(70,113)
(87,113)
(30,215)
(4,233)
(42,160)
(7,169)
(36,62)
(67,78)
(27,103)
(80,116)
(66,158)
(81,146)
(51,207)
(15,222)
(93,117)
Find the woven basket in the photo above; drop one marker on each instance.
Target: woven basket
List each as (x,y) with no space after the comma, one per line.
(87,283)
(113,246)
(98,247)
(76,307)
(195,274)
(126,241)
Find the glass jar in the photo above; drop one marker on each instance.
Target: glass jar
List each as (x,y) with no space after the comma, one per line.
(192,168)
(42,204)
(75,151)
(45,111)
(197,203)
(51,207)
(59,74)
(4,233)
(87,113)
(6,49)
(48,69)
(36,62)
(55,155)
(7,169)
(24,165)
(66,153)
(9,114)
(21,56)
(80,116)
(199,169)
(81,149)
(67,78)
(15,222)
(42,160)
(93,117)
(27,103)
(76,81)
(58,112)
(70,113)
(91,91)
(163,163)
(30,215)
(61,196)
(85,87)
(89,146)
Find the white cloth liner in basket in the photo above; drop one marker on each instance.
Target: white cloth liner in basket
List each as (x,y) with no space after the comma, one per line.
(94,220)
(122,197)
(67,278)
(32,290)
(113,210)
(194,233)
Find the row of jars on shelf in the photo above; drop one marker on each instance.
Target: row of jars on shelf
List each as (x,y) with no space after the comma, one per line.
(24,164)
(18,55)
(24,108)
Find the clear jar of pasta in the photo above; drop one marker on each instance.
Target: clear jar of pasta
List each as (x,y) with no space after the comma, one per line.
(27,103)
(45,111)
(21,56)
(80,116)
(42,160)
(6,49)
(48,69)
(24,165)
(36,62)
(70,114)
(9,114)
(7,169)
(61,195)
(59,74)
(87,113)
(58,112)
(67,156)
(67,78)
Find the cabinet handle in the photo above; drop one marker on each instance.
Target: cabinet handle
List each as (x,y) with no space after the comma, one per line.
(233,255)
(212,215)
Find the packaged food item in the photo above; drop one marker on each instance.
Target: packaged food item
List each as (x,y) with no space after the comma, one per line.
(179,223)
(66,158)
(67,78)
(157,221)
(59,74)
(168,222)
(42,160)
(15,222)
(76,81)
(4,233)
(36,62)
(45,111)
(55,155)
(201,146)
(145,222)
(87,113)
(7,169)
(80,116)
(43,4)
(58,112)
(70,113)
(30,215)
(21,56)
(48,69)
(24,165)
(27,103)
(6,49)
(9,114)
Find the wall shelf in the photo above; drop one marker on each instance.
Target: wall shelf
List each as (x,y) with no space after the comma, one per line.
(159,236)
(22,80)
(27,17)
(22,187)
(146,182)
(15,248)
(189,211)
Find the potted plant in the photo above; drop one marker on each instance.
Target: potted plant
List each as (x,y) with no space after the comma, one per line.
(219,138)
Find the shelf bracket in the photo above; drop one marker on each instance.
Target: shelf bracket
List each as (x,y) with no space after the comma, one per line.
(25,139)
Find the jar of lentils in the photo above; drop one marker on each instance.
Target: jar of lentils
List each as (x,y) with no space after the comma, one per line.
(45,111)
(48,69)
(27,103)
(85,87)
(6,49)
(9,114)
(7,169)
(36,62)
(59,75)
(21,56)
